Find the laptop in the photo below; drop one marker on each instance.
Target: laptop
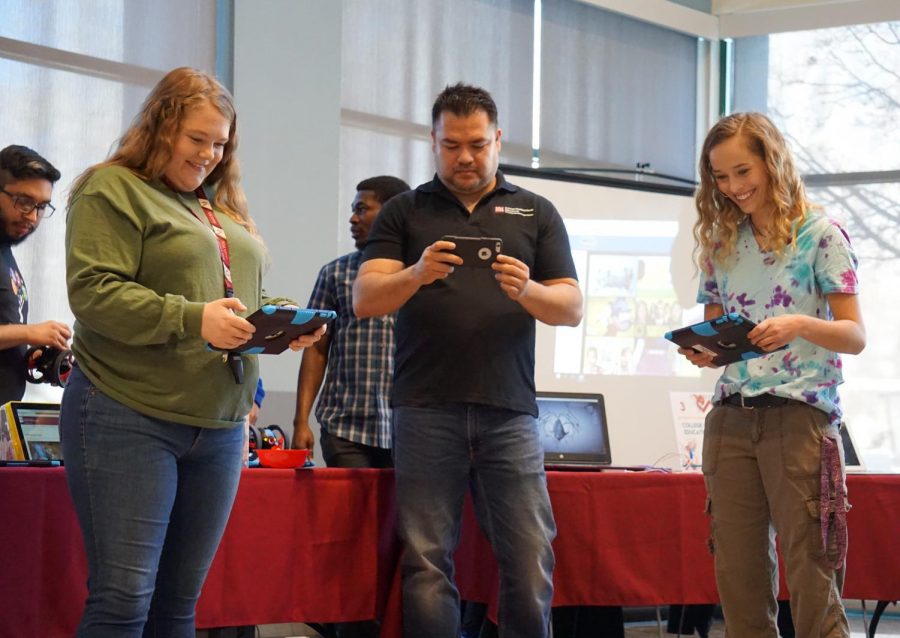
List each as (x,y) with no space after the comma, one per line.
(29,433)
(853,462)
(573,430)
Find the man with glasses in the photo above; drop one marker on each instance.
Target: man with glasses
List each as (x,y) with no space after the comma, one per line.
(26,184)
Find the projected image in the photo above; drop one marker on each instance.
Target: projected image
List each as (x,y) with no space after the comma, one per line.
(630,302)
(632,249)
(614,275)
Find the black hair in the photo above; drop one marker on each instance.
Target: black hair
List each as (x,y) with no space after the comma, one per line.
(384,187)
(18,163)
(464,99)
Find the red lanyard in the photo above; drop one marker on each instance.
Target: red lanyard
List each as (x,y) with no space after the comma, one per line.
(233,359)
(220,237)
(217,230)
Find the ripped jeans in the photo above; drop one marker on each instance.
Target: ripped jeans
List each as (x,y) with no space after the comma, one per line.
(762,468)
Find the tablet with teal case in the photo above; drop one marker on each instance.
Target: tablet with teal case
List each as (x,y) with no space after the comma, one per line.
(724,337)
(277,326)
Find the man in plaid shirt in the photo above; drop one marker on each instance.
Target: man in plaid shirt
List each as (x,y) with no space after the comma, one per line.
(355,357)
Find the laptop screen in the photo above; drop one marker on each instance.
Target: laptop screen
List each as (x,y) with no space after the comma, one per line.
(34,430)
(573,429)
(852,460)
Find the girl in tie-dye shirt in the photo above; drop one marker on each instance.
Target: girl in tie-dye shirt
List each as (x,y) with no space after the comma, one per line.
(771,455)
(759,286)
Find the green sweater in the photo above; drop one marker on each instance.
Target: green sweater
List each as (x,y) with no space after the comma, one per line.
(139,269)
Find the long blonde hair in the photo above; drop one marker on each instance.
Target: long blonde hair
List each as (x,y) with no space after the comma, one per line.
(146,147)
(719,218)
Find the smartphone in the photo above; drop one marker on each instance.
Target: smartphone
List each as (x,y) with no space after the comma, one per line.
(476,251)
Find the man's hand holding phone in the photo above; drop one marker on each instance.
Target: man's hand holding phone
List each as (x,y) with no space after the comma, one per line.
(436,262)
(513,276)
(440,259)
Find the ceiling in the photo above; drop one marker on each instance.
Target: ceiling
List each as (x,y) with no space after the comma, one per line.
(742,18)
(720,7)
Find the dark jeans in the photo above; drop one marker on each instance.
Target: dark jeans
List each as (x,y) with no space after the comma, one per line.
(339,452)
(439,452)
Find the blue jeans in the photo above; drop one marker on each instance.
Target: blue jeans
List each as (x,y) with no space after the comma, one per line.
(152,498)
(440,451)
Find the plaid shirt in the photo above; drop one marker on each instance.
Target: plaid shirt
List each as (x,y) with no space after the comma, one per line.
(354,402)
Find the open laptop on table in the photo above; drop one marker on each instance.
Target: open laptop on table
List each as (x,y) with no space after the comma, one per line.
(853,462)
(29,433)
(573,430)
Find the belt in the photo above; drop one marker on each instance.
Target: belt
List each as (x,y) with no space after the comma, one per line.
(760,401)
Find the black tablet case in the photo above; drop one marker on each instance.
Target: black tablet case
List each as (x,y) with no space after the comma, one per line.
(725,336)
(277,326)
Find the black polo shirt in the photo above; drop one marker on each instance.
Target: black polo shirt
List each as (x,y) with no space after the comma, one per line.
(461,339)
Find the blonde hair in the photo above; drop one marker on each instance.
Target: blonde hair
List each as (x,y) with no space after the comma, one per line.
(146,147)
(719,218)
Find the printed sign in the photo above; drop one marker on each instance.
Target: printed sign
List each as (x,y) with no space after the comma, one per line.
(689,410)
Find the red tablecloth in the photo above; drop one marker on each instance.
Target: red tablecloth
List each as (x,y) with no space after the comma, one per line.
(637,539)
(320,546)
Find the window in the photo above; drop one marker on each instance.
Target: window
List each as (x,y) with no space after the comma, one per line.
(836,95)
(72,76)
(399,54)
(616,92)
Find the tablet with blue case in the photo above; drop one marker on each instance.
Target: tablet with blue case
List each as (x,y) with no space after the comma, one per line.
(277,326)
(724,337)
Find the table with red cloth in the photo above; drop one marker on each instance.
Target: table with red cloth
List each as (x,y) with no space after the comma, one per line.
(319,546)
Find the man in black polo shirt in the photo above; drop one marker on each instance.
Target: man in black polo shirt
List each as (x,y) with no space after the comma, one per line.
(26,184)
(464,396)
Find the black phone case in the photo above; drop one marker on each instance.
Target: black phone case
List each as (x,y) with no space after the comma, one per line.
(476,251)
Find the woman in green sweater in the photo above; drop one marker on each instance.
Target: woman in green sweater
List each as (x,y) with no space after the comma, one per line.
(162,258)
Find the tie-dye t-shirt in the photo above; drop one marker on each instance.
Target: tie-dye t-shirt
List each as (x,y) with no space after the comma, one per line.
(759,285)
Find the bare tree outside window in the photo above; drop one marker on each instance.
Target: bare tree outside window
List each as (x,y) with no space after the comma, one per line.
(836,94)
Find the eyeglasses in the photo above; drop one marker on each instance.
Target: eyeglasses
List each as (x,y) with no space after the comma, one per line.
(25,205)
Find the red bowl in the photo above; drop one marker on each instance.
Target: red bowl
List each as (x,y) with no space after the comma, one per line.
(282,458)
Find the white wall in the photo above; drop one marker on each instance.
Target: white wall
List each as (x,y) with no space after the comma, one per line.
(287,60)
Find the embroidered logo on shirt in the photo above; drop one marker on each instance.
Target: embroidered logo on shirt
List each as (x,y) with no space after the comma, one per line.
(512,210)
